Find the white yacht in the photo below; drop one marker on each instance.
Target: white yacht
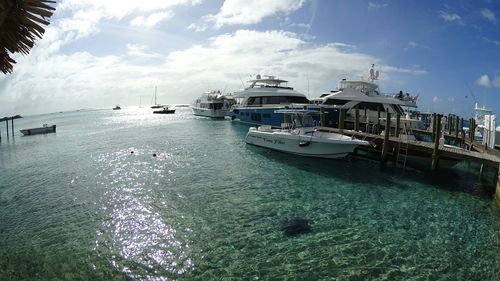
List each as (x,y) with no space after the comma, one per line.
(301,137)
(212,104)
(257,103)
(372,105)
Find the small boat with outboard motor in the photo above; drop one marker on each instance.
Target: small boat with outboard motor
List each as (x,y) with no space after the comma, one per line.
(301,137)
(45,129)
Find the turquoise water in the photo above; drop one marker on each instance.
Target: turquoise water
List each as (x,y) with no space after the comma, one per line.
(79,205)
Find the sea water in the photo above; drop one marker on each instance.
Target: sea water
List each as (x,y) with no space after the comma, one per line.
(131,195)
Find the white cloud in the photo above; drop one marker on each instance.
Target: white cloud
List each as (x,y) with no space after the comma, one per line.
(415,45)
(449,17)
(251,11)
(141,51)
(491,41)
(489,15)
(97,81)
(151,20)
(372,5)
(84,15)
(484,81)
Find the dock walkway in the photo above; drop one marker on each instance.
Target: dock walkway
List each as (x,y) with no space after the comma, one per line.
(425,148)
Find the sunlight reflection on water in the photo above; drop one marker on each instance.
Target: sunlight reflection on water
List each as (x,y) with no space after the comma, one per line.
(143,243)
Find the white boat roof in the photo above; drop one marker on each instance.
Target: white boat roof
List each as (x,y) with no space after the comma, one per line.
(362,91)
(353,95)
(269,86)
(269,80)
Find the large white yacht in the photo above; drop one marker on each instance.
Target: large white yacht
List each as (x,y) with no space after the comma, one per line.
(212,104)
(371,104)
(256,104)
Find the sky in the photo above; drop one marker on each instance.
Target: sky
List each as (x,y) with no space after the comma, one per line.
(97,54)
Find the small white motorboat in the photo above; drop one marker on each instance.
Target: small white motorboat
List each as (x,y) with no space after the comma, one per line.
(301,137)
(42,130)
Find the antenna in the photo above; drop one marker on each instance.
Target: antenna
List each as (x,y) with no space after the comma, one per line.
(470,91)
(242,84)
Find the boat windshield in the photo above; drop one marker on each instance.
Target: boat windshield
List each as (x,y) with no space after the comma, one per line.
(303,121)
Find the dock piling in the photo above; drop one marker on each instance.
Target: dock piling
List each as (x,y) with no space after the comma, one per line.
(356,119)
(398,121)
(497,178)
(341,119)
(433,126)
(322,116)
(435,152)
(385,146)
(378,120)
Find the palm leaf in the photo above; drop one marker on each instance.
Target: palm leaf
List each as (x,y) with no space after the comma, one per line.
(21,22)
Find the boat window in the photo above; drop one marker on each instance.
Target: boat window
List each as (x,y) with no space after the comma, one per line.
(335,102)
(254,101)
(307,121)
(371,106)
(256,117)
(397,109)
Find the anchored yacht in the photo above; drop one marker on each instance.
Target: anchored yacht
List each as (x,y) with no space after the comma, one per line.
(256,105)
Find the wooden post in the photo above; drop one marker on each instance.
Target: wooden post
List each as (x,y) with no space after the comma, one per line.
(7,124)
(398,121)
(435,152)
(457,123)
(378,119)
(322,116)
(356,119)
(450,123)
(12,127)
(385,146)
(341,120)
(433,126)
(462,133)
(497,178)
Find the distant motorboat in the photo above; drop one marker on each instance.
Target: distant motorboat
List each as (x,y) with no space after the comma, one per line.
(301,137)
(165,110)
(212,104)
(117,107)
(42,130)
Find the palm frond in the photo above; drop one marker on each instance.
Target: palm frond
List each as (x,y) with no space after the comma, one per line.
(21,22)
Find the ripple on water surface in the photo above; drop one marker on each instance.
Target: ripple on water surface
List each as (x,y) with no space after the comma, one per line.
(210,207)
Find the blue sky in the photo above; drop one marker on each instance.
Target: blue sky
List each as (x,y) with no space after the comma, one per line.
(96,54)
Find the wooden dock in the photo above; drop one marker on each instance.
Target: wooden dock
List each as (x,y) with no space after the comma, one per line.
(425,149)
(7,119)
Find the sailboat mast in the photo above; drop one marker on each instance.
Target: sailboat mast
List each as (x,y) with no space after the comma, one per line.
(155,95)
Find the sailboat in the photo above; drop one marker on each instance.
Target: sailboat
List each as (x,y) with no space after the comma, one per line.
(155,104)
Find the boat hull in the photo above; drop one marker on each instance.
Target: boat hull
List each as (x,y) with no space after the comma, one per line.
(38,131)
(168,111)
(207,112)
(304,145)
